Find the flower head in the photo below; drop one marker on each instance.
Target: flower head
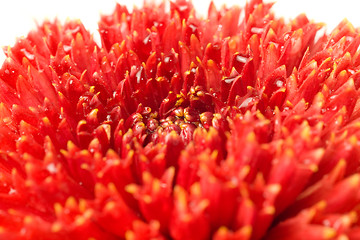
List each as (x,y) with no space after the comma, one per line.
(237,126)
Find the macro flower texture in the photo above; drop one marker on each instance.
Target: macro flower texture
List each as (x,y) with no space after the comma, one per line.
(238,125)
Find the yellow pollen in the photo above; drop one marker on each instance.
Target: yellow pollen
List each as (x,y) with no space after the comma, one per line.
(129,235)
(71,203)
(28,219)
(251,137)
(58,209)
(131,188)
(354,180)
(82,205)
(246,230)
(56,227)
(329,233)
(156,186)
(110,206)
(343,237)
(270,210)
(274,188)
(147,199)
(195,189)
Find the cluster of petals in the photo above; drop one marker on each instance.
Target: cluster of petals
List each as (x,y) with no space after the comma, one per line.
(237,126)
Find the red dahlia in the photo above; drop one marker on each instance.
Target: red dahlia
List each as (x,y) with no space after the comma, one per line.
(237,126)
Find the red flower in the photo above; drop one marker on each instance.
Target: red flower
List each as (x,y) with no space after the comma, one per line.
(238,126)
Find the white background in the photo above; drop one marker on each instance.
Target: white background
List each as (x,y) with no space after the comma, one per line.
(17,17)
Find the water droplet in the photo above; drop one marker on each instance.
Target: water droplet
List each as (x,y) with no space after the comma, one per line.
(332,97)
(326,223)
(183,7)
(279,83)
(51,168)
(67,48)
(146,39)
(349,38)
(257,30)
(12,191)
(287,36)
(28,55)
(75,30)
(193,27)
(229,79)
(138,75)
(241,59)
(167,59)
(246,102)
